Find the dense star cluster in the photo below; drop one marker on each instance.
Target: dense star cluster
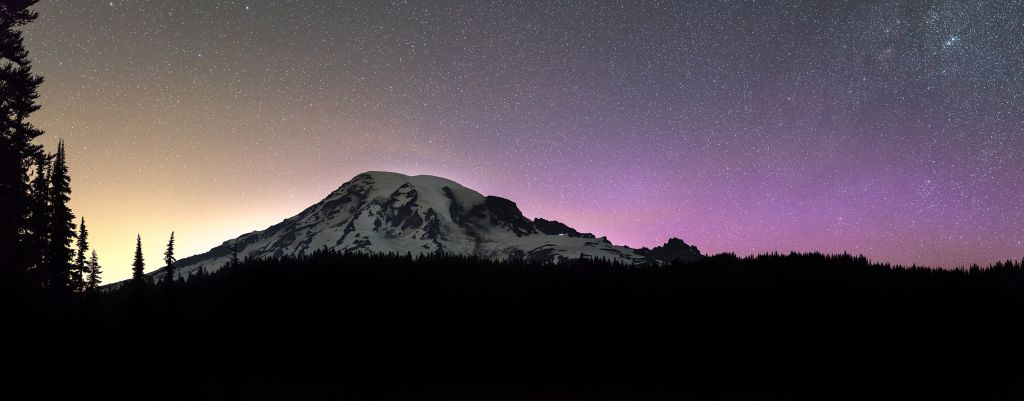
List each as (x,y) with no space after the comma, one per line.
(889,128)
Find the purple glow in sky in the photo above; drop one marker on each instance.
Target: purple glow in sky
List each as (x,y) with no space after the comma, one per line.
(890,129)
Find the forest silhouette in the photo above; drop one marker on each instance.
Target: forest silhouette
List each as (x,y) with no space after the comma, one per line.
(796,326)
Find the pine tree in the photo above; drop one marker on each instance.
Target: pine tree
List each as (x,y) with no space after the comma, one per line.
(198,274)
(169,261)
(233,262)
(39,220)
(62,224)
(81,267)
(18,94)
(94,278)
(138,266)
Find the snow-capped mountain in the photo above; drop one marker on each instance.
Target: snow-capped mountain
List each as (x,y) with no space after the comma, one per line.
(389,212)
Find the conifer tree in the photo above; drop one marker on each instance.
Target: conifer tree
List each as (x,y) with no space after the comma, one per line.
(94,278)
(198,274)
(233,262)
(169,261)
(39,220)
(81,267)
(62,224)
(18,94)
(138,265)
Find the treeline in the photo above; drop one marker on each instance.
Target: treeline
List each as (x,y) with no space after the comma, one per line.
(796,326)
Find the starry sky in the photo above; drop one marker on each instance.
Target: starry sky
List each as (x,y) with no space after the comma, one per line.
(893,129)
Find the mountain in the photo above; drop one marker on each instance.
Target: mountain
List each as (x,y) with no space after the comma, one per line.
(388,212)
(673,250)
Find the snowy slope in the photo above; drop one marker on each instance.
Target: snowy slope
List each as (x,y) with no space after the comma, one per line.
(389,212)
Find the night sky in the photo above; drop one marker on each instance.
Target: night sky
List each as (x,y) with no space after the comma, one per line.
(894,129)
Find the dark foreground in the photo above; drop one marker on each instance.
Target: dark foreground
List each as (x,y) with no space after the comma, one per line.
(357,327)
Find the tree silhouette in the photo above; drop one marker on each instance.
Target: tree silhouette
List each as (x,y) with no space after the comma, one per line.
(138,265)
(233,262)
(94,278)
(81,266)
(18,94)
(169,261)
(62,225)
(39,220)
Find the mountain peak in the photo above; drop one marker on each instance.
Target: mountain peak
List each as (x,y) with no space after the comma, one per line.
(673,250)
(382,211)
(388,177)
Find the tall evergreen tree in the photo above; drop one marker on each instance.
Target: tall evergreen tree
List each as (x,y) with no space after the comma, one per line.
(39,220)
(169,261)
(62,224)
(18,94)
(233,262)
(138,265)
(94,278)
(81,266)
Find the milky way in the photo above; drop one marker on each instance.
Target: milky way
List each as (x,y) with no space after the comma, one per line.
(893,129)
